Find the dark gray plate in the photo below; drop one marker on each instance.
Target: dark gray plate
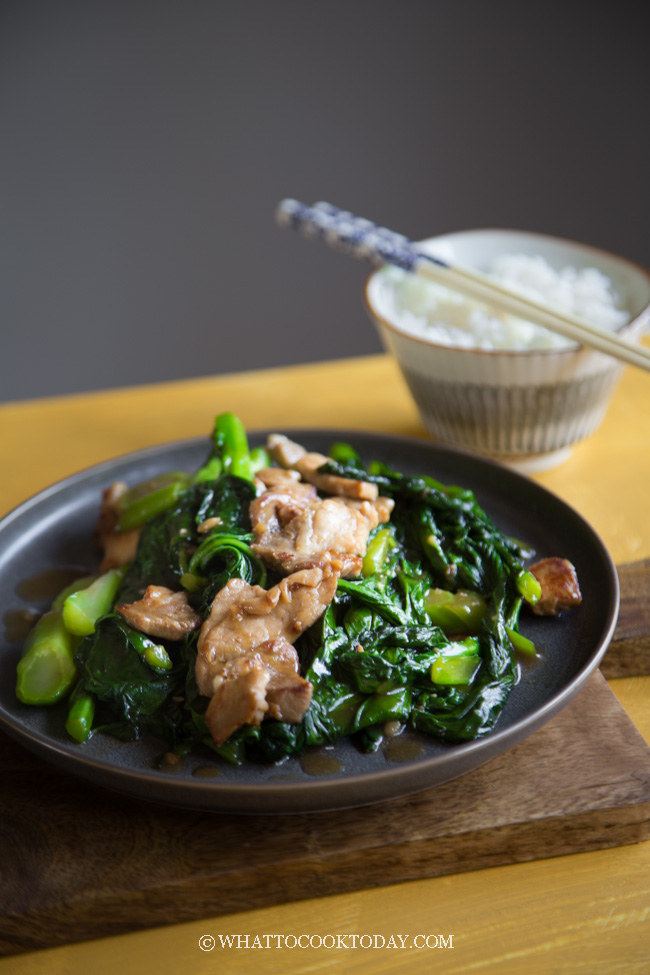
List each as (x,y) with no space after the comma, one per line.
(54,529)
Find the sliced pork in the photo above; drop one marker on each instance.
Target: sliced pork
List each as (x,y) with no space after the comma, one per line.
(320,532)
(161,613)
(246,663)
(287,453)
(119,547)
(239,699)
(560,587)
(262,684)
(282,496)
(294,528)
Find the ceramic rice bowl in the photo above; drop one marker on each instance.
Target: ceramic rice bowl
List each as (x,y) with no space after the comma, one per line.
(519,406)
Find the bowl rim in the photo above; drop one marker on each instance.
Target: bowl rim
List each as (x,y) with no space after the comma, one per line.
(577,349)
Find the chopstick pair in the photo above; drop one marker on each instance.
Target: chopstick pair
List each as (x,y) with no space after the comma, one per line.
(363,239)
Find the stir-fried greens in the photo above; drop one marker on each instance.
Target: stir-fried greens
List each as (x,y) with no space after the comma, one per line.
(427,634)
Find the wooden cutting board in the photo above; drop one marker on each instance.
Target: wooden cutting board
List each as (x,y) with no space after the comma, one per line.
(78,862)
(629,652)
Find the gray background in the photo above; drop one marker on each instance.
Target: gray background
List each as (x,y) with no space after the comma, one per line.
(145,146)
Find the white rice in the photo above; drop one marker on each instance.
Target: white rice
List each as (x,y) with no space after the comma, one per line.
(434,312)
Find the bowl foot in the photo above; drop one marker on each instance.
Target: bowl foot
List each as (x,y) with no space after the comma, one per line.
(538,463)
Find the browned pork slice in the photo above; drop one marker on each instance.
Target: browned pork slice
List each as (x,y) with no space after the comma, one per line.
(246,662)
(287,694)
(560,588)
(239,699)
(291,536)
(243,616)
(263,684)
(282,495)
(119,547)
(161,613)
(280,477)
(289,454)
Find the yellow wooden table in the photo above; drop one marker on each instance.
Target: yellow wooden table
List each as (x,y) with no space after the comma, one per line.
(586,913)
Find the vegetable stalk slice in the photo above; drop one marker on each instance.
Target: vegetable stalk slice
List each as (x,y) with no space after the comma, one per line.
(47,669)
(521,643)
(529,586)
(459,612)
(377,552)
(455,670)
(138,506)
(82,609)
(260,458)
(75,586)
(80,716)
(230,437)
(344,453)
(153,654)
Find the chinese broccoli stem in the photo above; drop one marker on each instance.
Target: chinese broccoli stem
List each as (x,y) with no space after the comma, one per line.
(210,471)
(457,612)
(528,586)
(520,642)
(75,586)
(344,453)
(80,716)
(82,609)
(231,440)
(230,452)
(260,458)
(139,508)
(153,654)
(455,670)
(377,552)
(47,669)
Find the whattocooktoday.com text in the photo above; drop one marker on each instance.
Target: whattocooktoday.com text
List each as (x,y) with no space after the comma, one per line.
(209,942)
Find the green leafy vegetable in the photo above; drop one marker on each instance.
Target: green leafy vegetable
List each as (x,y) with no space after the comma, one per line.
(134,690)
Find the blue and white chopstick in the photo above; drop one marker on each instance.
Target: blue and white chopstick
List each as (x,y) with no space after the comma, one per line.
(364,239)
(343,231)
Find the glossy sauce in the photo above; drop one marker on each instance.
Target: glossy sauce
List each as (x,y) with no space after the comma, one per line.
(526,663)
(392,729)
(170,762)
(41,588)
(403,749)
(47,585)
(320,763)
(206,772)
(18,623)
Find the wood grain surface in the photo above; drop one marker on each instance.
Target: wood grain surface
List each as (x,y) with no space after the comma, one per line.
(79,862)
(628,654)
